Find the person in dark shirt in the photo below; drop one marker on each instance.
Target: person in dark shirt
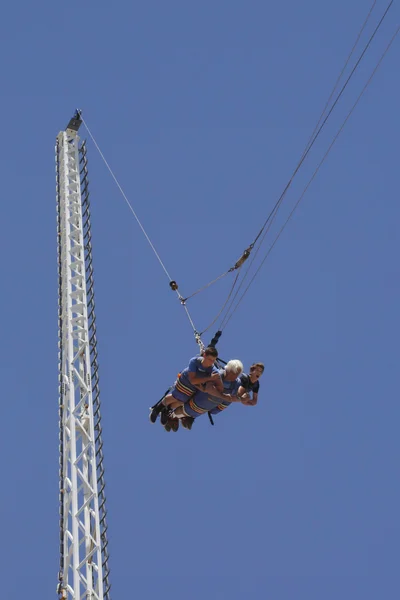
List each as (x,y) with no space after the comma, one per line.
(250,384)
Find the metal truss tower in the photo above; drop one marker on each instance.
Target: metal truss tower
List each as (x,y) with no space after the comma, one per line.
(84,572)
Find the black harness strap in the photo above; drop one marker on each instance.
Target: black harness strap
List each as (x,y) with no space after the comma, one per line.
(215,339)
(162,398)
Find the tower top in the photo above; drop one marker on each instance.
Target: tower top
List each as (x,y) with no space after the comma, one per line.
(75,122)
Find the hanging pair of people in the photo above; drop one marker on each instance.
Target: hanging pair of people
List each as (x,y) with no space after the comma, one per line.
(203,388)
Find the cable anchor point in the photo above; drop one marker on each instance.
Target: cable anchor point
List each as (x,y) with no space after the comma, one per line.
(242,259)
(76,121)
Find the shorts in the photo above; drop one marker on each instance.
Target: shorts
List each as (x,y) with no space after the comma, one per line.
(192,406)
(182,391)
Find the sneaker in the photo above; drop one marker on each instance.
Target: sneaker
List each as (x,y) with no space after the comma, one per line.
(174,424)
(187,422)
(155,411)
(167,427)
(165,412)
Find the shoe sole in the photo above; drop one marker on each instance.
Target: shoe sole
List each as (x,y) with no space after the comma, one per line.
(164,417)
(151,416)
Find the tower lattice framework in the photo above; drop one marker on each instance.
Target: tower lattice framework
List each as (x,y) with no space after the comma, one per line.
(84,570)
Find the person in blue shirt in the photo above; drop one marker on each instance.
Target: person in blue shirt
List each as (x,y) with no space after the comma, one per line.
(213,399)
(200,371)
(248,388)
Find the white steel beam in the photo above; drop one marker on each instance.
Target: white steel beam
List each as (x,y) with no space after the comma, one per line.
(81,573)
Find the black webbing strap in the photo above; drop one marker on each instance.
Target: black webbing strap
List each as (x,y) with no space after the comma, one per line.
(162,398)
(215,339)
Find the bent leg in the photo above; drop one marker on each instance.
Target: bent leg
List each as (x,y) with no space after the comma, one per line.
(171,402)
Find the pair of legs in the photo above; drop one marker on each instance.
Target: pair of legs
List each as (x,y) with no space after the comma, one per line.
(171,402)
(181,416)
(177,403)
(177,413)
(171,419)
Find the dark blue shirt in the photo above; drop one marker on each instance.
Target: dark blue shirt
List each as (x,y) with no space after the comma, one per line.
(248,385)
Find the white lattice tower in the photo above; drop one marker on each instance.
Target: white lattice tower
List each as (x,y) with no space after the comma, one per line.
(81,569)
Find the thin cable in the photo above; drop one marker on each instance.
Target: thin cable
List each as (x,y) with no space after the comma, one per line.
(342,71)
(316,171)
(143,230)
(274,211)
(254,256)
(127,201)
(238,265)
(323,124)
(190,318)
(207,285)
(223,306)
(271,217)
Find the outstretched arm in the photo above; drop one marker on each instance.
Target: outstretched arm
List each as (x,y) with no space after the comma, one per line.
(250,401)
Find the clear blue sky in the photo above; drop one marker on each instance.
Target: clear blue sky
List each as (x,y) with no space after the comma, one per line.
(203,110)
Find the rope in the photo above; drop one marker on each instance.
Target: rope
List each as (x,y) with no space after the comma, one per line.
(238,264)
(309,144)
(207,285)
(317,130)
(175,287)
(267,224)
(127,201)
(313,139)
(223,306)
(222,325)
(342,71)
(317,169)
